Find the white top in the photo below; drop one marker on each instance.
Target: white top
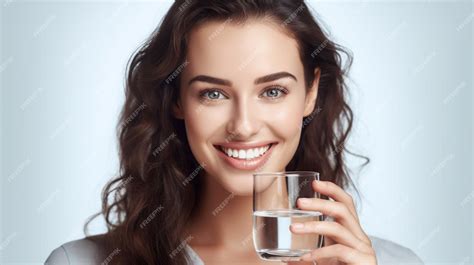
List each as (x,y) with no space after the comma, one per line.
(85,251)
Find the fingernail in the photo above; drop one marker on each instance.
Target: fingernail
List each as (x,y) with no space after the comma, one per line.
(297,226)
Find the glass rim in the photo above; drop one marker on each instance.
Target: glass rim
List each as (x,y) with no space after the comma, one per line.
(288,174)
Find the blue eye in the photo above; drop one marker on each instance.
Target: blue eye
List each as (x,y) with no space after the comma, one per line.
(275,91)
(211,94)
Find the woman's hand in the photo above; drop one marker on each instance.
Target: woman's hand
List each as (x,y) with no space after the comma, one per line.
(345,241)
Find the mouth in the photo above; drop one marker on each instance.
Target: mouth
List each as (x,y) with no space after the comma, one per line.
(247,158)
(244,154)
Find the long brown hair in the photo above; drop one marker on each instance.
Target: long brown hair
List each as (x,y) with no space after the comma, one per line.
(147,205)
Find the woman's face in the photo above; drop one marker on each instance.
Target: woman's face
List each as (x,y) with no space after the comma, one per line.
(243,95)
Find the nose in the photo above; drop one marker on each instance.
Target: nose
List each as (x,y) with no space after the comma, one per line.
(244,121)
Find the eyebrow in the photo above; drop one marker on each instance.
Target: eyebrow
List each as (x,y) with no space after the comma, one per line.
(224,82)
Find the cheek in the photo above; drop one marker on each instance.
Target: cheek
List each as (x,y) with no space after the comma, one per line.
(201,125)
(288,127)
(193,120)
(202,122)
(285,119)
(287,122)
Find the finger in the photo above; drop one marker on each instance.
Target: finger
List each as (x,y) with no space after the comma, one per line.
(337,210)
(342,253)
(336,193)
(328,241)
(333,230)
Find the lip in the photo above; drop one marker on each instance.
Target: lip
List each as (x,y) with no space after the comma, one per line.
(237,145)
(247,164)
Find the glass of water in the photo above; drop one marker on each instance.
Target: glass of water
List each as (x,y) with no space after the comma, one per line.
(274,210)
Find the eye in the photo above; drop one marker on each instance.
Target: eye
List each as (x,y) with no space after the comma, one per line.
(210,94)
(274,92)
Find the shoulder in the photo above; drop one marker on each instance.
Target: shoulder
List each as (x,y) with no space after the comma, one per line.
(389,252)
(82,251)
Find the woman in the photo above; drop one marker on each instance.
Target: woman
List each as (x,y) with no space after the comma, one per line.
(220,90)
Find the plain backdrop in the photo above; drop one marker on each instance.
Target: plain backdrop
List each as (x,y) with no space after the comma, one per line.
(62,69)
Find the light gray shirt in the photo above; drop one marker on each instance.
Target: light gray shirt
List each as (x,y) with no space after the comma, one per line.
(85,251)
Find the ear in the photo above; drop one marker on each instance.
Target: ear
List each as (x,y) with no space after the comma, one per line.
(312,94)
(177,110)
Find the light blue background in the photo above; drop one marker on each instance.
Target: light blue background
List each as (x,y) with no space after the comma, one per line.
(62,72)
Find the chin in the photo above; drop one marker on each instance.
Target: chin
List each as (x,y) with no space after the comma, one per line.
(241,185)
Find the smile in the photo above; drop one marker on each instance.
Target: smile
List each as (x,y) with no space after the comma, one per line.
(245,153)
(246,158)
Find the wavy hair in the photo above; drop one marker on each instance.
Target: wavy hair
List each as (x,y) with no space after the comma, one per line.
(157,169)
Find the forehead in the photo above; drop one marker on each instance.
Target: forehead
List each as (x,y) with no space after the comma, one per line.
(240,51)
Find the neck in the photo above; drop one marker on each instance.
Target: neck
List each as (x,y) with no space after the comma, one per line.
(222,218)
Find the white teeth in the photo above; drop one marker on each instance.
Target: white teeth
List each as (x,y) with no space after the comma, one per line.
(245,154)
(250,153)
(235,153)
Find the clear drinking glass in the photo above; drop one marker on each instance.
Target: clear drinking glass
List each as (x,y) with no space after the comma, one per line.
(274,209)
